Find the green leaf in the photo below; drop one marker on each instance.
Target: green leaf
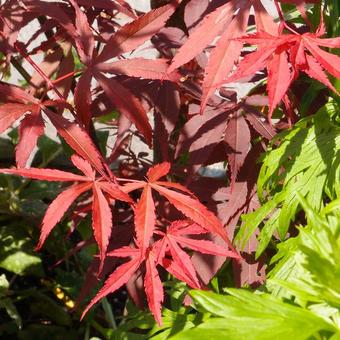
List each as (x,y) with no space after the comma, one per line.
(16,252)
(308,266)
(306,162)
(245,315)
(7,303)
(41,190)
(34,208)
(4,284)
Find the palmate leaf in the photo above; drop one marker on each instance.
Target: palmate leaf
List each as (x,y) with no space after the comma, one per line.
(166,252)
(126,39)
(284,56)
(195,210)
(134,34)
(228,22)
(244,315)
(24,104)
(224,56)
(101,211)
(182,199)
(306,162)
(58,208)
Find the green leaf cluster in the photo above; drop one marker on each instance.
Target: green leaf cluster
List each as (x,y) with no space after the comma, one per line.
(304,160)
(302,298)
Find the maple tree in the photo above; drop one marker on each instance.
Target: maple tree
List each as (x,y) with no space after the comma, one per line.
(162,79)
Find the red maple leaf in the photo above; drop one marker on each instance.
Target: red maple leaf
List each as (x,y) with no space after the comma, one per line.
(285,56)
(226,125)
(227,22)
(126,39)
(182,199)
(19,104)
(102,190)
(166,252)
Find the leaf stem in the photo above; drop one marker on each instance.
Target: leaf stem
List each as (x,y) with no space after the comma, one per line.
(68,75)
(108,313)
(282,19)
(127,180)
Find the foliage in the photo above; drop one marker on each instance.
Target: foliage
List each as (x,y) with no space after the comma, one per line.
(306,276)
(305,162)
(143,104)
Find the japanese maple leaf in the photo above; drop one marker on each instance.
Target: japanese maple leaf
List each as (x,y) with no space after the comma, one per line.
(126,39)
(226,22)
(182,199)
(19,104)
(228,124)
(101,191)
(166,252)
(152,283)
(174,239)
(284,56)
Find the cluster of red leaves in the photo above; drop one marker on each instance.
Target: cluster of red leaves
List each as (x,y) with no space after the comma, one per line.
(180,88)
(164,251)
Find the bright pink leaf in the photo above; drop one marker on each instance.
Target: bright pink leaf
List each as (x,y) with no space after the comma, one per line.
(12,93)
(101,222)
(176,270)
(314,70)
(78,140)
(51,175)
(177,186)
(158,171)
(183,260)
(205,247)
(10,112)
(330,62)
(203,35)
(30,129)
(84,166)
(223,57)
(137,67)
(145,218)
(153,288)
(194,210)
(279,79)
(85,40)
(115,192)
(117,279)
(58,208)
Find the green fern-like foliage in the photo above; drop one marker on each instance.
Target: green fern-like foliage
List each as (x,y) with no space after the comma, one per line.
(302,298)
(307,267)
(304,160)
